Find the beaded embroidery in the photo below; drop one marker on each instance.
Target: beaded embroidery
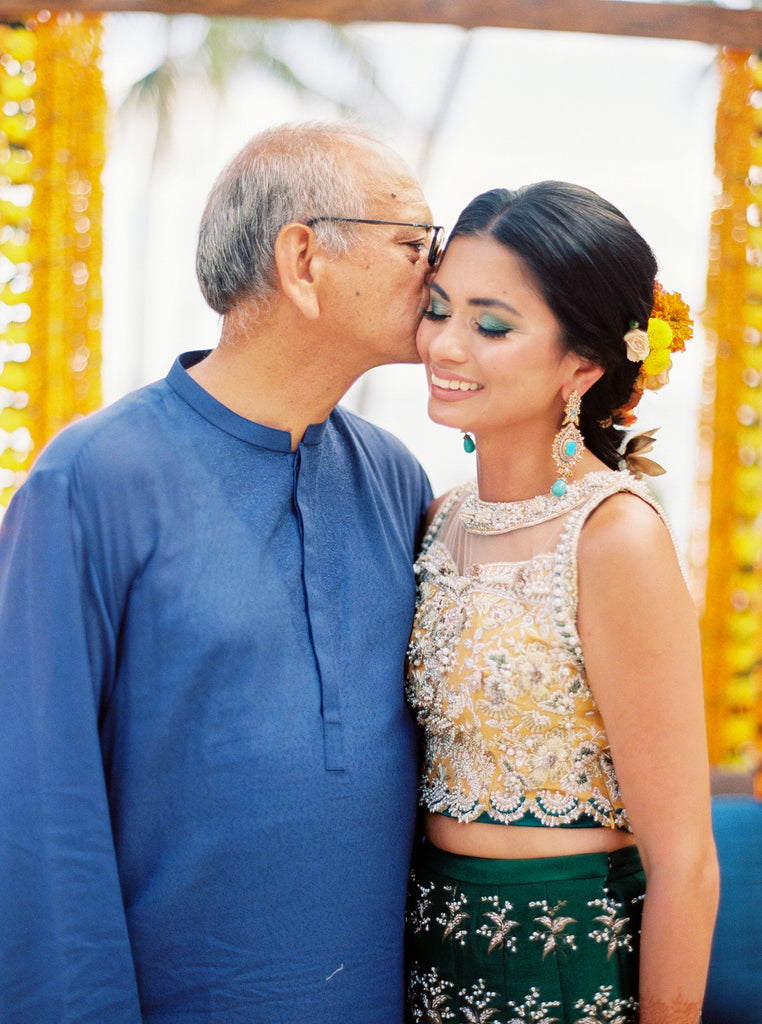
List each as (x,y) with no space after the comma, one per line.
(496,673)
(490,517)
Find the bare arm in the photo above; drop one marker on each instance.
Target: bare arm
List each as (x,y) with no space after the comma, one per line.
(641,645)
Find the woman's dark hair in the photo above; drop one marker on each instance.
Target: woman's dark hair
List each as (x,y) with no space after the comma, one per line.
(595,272)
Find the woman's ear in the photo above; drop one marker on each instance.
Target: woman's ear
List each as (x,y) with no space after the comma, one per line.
(584,376)
(298,259)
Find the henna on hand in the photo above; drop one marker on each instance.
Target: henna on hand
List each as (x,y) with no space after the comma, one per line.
(676,1011)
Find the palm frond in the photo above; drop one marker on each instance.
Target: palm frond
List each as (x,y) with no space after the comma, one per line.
(230,45)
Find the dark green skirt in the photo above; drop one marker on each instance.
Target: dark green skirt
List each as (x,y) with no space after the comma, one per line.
(550,940)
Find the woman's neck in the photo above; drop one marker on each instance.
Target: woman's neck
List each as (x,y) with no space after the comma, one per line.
(520,471)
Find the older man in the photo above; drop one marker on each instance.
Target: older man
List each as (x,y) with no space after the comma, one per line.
(208,772)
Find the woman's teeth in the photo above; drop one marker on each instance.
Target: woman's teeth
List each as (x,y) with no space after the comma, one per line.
(454,385)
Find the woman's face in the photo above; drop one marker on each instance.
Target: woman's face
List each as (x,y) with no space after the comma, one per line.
(491,346)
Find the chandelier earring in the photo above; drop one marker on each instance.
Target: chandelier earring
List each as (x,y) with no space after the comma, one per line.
(568,445)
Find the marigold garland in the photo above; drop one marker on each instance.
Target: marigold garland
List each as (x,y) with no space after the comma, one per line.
(726,551)
(52,139)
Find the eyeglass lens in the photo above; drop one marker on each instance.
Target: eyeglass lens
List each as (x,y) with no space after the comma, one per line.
(436,250)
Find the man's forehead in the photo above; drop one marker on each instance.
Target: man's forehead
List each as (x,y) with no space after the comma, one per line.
(401,199)
(393,191)
(406,205)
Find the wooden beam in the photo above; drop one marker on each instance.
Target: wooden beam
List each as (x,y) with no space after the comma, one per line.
(701,22)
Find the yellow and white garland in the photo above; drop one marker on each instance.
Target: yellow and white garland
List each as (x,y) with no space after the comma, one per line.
(52,144)
(727,543)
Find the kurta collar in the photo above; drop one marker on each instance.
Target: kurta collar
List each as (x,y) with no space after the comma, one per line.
(218,414)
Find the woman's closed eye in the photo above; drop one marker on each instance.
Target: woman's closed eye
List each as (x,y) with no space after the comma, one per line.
(437,310)
(492,326)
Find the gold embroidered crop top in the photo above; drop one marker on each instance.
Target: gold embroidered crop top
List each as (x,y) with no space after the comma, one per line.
(496,676)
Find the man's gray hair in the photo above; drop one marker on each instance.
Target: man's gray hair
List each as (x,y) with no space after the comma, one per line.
(289,173)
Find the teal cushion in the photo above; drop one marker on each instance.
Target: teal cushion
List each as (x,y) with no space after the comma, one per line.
(734,989)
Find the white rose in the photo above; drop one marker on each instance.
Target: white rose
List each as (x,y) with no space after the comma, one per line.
(638,345)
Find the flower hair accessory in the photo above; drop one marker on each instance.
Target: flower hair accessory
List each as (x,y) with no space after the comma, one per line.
(638,345)
(634,455)
(669,327)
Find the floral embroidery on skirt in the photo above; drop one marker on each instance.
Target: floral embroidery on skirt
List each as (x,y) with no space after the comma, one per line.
(546,941)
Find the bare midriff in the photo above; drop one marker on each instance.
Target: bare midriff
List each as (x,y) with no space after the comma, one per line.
(513,842)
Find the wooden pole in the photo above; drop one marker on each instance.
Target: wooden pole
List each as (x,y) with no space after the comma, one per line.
(700,22)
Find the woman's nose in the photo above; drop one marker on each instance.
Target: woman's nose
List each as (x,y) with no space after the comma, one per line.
(446,345)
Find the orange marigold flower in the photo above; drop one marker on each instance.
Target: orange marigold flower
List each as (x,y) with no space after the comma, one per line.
(670,307)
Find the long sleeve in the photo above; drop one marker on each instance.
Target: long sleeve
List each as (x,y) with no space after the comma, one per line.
(207,790)
(65,954)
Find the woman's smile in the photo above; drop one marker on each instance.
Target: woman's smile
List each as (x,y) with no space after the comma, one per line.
(441,381)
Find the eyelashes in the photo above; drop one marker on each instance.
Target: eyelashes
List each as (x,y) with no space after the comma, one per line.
(488,326)
(492,327)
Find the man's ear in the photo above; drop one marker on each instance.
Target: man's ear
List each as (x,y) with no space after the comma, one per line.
(298,260)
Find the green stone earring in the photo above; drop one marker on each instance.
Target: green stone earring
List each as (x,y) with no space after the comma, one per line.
(568,445)
(469,445)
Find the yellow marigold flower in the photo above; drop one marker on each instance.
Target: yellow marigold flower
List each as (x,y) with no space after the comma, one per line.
(15,164)
(670,307)
(739,729)
(747,546)
(16,127)
(659,334)
(656,361)
(15,87)
(16,251)
(20,43)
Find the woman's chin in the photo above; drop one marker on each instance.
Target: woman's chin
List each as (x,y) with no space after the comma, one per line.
(443,416)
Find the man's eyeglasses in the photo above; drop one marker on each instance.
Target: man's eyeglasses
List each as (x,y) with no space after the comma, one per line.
(436,248)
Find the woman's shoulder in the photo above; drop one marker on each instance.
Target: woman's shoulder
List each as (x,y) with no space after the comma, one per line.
(434,507)
(625,525)
(445,502)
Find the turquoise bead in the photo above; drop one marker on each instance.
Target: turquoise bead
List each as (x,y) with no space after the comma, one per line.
(469,445)
(570,449)
(558,490)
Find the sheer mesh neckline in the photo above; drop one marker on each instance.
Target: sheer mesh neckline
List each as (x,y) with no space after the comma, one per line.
(492,517)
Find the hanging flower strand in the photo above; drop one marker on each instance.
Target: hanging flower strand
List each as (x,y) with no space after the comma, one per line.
(669,327)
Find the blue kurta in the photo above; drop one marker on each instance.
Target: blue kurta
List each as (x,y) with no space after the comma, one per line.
(207,770)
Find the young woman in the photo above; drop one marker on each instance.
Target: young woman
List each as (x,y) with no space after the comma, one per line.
(554,665)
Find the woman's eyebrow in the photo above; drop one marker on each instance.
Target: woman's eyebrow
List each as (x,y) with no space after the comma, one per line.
(493,302)
(474,302)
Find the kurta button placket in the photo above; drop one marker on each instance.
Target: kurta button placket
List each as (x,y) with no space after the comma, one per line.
(319,575)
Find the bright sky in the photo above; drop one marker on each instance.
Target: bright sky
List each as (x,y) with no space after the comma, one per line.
(631,118)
